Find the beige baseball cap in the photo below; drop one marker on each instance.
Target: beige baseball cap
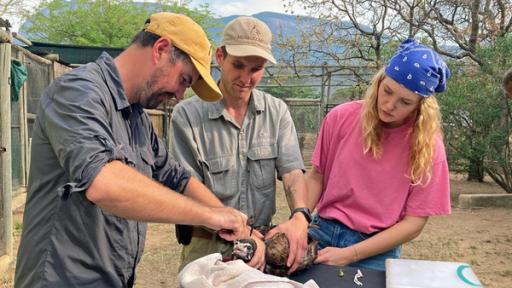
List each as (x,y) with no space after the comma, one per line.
(248,36)
(189,37)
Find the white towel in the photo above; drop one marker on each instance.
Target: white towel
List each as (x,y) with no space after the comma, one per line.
(210,272)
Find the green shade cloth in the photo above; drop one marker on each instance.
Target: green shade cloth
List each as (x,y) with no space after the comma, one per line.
(72,54)
(18,77)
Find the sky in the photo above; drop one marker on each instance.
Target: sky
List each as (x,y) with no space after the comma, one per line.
(238,7)
(219,7)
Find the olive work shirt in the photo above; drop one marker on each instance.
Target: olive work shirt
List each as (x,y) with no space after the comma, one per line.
(238,163)
(84,121)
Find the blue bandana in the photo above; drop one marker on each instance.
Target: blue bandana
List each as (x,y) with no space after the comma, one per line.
(418,68)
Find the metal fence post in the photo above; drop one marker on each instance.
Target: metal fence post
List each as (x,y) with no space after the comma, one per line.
(322,95)
(328,90)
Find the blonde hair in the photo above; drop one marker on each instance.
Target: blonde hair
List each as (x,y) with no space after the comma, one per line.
(422,136)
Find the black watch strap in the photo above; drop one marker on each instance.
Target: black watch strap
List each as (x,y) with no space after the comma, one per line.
(305,211)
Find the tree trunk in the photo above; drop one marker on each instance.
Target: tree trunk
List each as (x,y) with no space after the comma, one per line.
(476,169)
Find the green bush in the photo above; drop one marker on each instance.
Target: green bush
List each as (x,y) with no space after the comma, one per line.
(476,117)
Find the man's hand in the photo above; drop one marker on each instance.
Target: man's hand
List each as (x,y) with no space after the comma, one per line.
(231,223)
(258,259)
(296,230)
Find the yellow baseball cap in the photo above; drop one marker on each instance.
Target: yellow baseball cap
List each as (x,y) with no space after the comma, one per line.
(189,37)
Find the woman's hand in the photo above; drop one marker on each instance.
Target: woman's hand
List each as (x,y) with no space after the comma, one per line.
(337,256)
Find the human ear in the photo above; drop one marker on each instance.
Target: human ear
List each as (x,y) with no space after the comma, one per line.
(160,48)
(219,56)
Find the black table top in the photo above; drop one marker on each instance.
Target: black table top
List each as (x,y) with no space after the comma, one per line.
(327,276)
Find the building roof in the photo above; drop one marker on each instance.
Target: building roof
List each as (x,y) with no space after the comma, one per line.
(72,54)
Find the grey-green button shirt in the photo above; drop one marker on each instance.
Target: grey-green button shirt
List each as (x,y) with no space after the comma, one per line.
(238,163)
(83,121)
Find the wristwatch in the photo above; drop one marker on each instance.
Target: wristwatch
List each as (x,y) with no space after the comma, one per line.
(305,211)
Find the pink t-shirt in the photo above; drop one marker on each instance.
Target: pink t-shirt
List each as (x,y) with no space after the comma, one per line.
(368,194)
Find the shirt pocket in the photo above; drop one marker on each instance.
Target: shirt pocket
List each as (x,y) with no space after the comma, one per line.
(262,166)
(221,176)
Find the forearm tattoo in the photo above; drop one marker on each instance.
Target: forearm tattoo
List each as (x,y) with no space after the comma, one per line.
(290,190)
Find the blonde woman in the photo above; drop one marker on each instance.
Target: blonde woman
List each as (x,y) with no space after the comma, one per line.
(379,165)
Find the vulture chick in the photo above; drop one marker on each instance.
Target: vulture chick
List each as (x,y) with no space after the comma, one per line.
(276,253)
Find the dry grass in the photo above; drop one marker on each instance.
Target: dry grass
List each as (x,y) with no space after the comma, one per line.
(479,237)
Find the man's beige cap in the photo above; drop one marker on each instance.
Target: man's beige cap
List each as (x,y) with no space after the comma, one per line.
(248,36)
(188,36)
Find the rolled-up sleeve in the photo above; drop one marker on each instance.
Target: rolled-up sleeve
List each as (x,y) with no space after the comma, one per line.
(290,157)
(74,119)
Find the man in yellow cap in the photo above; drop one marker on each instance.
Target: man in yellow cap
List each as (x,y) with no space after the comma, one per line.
(237,144)
(98,170)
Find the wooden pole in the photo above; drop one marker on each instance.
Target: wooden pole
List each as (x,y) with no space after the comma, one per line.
(5,37)
(22,39)
(22,102)
(5,146)
(31,56)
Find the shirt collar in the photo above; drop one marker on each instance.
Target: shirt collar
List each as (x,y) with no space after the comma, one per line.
(113,80)
(256,104)
(259,100)
(215,109)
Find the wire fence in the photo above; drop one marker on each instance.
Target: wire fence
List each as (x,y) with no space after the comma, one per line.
(309,91)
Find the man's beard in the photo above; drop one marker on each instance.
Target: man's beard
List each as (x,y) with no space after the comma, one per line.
(156,97)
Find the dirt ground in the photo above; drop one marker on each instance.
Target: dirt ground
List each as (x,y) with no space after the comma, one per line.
(479,237)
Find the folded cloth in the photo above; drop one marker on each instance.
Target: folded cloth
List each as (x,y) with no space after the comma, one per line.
(210,272)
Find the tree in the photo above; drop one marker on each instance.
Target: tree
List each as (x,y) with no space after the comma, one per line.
(469,112)
(469,32)
(465,24)
(108,23)
(477,117)
(344,94)
(471,28)
(348,33)
(290,91)
(11,10)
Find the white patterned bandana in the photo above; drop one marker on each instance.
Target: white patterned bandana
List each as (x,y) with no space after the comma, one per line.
(418,68)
